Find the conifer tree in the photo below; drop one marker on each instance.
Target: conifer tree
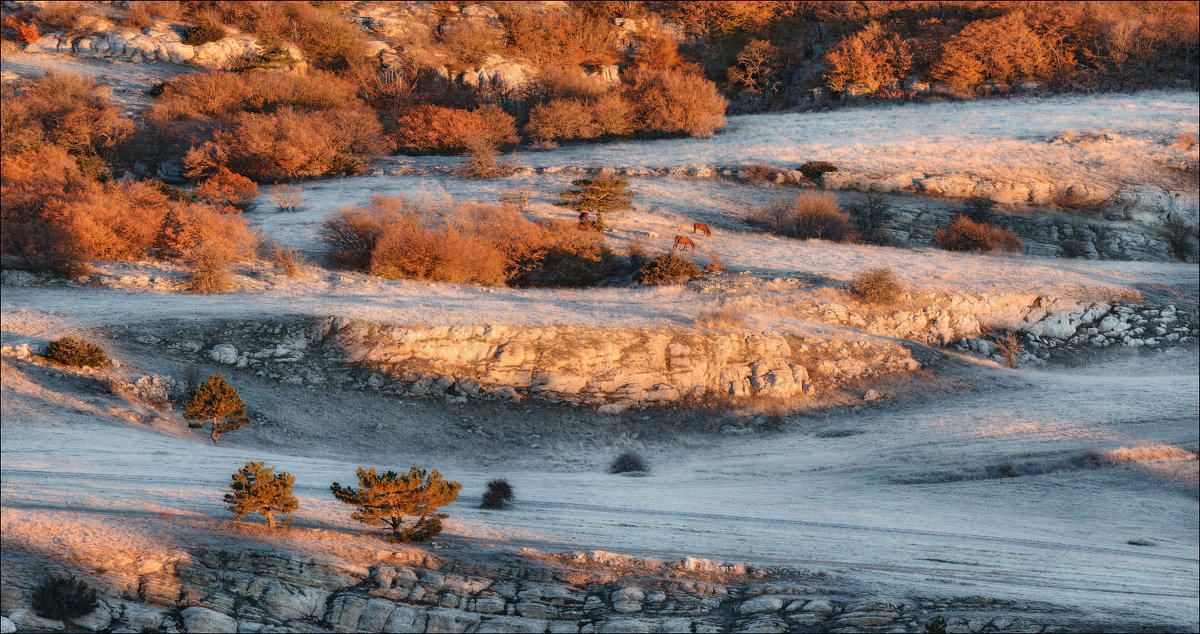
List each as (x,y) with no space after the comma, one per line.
(597,196)
(257,489)
(218,404)
(385,499)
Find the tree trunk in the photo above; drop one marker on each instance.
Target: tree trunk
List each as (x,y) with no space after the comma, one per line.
(214,432)
(270,519)
(397,535)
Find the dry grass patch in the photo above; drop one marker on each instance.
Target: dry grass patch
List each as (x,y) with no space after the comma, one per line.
(877,286)
(724,317)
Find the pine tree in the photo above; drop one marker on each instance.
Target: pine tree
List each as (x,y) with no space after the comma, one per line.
(595,197)
(384,500)
(257,489)
(218,404)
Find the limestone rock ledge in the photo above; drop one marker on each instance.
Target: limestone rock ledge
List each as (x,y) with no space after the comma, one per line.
(465,589)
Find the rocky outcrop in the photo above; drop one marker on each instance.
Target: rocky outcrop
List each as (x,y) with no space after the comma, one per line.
(1049,326)
(613,368)
(158,43)
(259,589)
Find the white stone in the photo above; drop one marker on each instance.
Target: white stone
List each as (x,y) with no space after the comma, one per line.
(198,619)
(628,599)
(761,605)
(224,353)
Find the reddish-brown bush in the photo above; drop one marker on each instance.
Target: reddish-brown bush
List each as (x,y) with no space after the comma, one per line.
(188,227)
(462,244)
(430,129)
(289,144)
(965,234)
(110,221)
(269,126)
(565,37)
(656,52)
(612,115)
(220,94)
(560,119)
(671,102)
(325,37)
(810,215)
(226,189)
(74,113)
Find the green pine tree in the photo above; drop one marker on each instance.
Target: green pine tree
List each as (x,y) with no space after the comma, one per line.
(385,499)
(257,489)
(596,197)
(218,404)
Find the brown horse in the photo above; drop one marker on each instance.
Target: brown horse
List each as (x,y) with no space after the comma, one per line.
(683,241)
(700,226)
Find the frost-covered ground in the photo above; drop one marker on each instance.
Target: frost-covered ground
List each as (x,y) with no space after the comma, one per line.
(909,497)
(984,490)
(1002,139)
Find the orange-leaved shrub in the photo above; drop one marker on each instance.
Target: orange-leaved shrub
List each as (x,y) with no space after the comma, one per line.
(871,57)
(463,243)
(268,126)
(608,114)
(66,109)
(226,189)
(809,215)
(675,102)
(964,234)
(428,129)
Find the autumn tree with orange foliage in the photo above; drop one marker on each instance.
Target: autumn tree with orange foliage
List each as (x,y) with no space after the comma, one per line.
(872,57)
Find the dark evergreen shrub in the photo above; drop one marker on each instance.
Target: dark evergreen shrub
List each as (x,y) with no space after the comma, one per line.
(815,169)
(628,462)
(61,598)
(667,269)
(203,34)
(499,492)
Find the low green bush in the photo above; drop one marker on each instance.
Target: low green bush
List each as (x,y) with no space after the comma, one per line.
(815,169)
(203,34)
(76,352)
(344,165)
(62,598)
(667,269)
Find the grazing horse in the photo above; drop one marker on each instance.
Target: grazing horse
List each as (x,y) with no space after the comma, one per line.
(700,226)
(583,216)
(685,242)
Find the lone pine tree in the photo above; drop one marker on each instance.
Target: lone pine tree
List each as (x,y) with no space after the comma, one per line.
(258,489)
(595,197)
(385,499)
(216,403)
